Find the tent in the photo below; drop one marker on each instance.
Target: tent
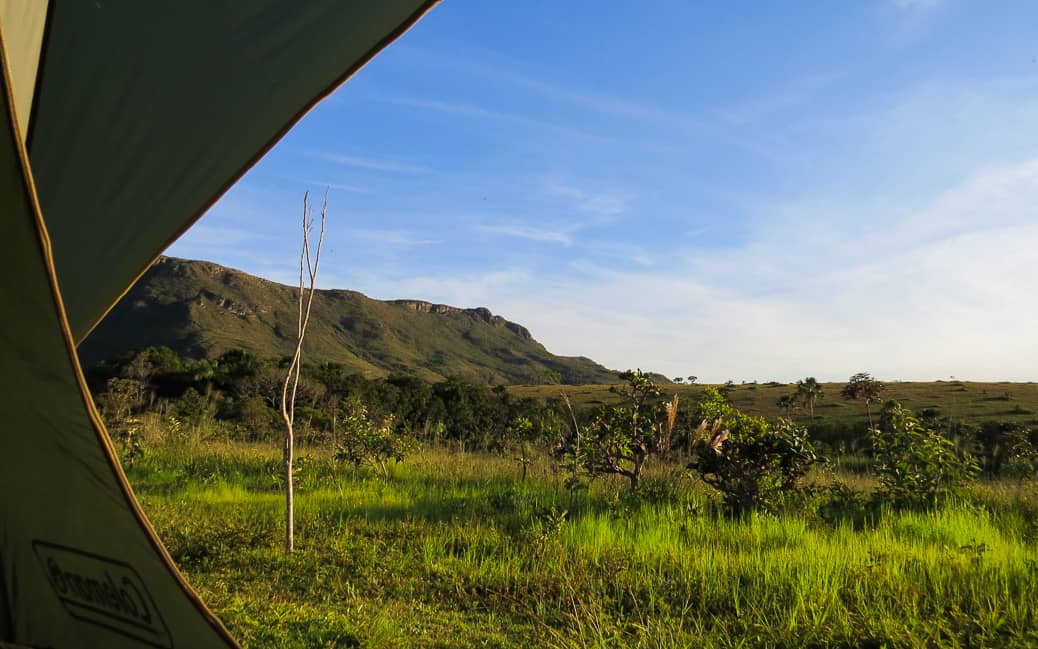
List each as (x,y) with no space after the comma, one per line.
(122,122)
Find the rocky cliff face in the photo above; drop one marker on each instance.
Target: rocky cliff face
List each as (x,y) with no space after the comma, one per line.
(480,313)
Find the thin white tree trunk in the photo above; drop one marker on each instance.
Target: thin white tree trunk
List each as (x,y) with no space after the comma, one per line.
(288,391)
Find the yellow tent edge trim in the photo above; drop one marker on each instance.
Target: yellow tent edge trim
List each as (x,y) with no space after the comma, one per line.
(401,29)
(95,418)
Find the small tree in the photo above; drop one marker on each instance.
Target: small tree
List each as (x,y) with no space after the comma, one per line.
(522,432)
(863,386)
(120,398)
(619,440)
(364,440)
(916,466)
(753,464)
(118,402)
(288,391)
(809,391)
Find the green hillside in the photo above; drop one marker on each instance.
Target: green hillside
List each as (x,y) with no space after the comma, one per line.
(201,309)
(960,401)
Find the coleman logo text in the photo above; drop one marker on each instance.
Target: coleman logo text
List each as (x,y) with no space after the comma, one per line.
(104,592)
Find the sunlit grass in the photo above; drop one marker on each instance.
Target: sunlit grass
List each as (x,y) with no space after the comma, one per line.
(453,551)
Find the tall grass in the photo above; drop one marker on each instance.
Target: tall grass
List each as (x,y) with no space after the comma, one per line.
(453,551)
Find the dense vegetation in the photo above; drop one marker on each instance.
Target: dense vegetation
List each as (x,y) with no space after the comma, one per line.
(450,514)
(235,397)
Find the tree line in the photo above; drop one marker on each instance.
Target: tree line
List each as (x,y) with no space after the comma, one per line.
(752,462)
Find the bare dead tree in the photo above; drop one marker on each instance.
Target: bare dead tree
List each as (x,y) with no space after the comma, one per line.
(288,392)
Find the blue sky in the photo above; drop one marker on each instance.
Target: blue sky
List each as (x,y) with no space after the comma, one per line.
(732,190)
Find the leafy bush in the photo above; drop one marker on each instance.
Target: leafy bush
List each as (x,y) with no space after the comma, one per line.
(754,465)
(1005,449)
(916,466)
(839,504)
(619,440)
(128,441)
(371,442)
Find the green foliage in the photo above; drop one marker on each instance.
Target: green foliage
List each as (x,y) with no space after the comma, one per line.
(620,439)
(916,466)
(862,386)
(841,505)
(522,433)
(1006,448)
(788,403)
(120,398)
(753,464)
(194,408)
(129,442)
(371,442)
(257,418)
(965,403)
(545,530)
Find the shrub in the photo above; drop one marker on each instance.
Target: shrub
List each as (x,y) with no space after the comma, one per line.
(619,440)
(754,465)
(375,443)
(1004,448)
(840,505)
(916,466)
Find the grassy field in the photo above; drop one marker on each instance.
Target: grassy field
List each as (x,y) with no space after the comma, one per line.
(964,401)
(453,551)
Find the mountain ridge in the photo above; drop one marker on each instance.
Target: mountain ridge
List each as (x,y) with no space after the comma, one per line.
(201,309)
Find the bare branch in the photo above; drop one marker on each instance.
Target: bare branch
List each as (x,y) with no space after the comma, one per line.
(291,385)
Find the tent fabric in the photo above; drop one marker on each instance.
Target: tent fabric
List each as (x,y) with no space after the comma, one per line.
(24,46)
(147,112)
(132,138)
(79,563)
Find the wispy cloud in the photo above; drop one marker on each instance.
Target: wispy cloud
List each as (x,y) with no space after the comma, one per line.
(612,105)
(373,164)
(449,107)
(353,189)
(561,235)
(920,298)
(623,252)
(597,203)
(461,109)
(391,237)
(508,72)
(918,5)
(795,93)
(467,291)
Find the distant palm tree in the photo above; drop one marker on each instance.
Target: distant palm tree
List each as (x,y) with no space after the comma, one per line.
(809,391)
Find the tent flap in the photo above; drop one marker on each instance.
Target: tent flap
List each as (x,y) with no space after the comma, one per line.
(148,112)
(79,563)
(142,114)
